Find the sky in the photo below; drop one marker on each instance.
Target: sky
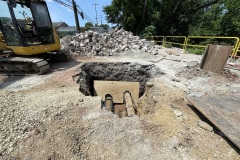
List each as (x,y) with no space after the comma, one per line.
(60,13)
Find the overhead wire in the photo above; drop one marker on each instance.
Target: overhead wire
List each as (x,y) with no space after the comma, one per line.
(87,17)
(84,13)
(86,5)
(79,10)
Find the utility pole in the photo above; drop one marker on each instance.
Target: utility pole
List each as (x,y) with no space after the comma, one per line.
(96,12)
(76,16)
(101,19)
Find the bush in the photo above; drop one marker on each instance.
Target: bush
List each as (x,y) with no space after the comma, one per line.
(149,31)
(198,51)
(168,45)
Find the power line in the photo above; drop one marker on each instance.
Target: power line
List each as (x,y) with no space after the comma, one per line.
(63,4)
(84,13)
(73,7)
(79,10)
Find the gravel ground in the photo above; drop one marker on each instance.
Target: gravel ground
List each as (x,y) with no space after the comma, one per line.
(53,120)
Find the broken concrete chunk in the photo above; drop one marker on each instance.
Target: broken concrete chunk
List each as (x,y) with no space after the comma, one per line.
(109,44)
(90,33)
(205,126)
(123,47)
(155,52)
(149,84)
(125,41)
(177,113)
(196,94)
(155,99)
(117,40)
(86,41)
(136,47)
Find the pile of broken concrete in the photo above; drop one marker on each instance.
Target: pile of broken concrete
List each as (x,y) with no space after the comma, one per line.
(92,43)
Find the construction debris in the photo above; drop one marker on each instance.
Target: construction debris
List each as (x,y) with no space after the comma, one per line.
(92,43)
(205,126)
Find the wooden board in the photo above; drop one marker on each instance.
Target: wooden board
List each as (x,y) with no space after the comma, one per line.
(215,58)
(223,112)
(116,89)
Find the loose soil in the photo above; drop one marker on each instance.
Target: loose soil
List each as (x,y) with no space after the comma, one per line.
(47,117)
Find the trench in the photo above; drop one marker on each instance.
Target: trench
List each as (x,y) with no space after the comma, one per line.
(124,72)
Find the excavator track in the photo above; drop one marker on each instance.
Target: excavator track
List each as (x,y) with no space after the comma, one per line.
(23,65)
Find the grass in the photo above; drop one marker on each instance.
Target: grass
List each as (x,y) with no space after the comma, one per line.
(198,51)
(167,45)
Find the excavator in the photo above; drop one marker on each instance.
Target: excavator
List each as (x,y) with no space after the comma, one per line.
(27,37)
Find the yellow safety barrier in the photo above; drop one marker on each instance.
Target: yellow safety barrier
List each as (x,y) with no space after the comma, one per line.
(157,39)
(234,51)
(181,44)
(185,44)
(237,49)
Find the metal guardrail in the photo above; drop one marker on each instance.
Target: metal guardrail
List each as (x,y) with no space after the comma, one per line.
(237,50)
(234,51)
(157,38)
(181,44)
(186,44)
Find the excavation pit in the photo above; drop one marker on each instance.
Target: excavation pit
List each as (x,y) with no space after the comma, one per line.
(120,71)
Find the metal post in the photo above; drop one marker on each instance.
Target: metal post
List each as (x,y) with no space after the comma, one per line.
(76,16)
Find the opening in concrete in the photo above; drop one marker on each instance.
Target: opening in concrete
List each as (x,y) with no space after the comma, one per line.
(119,84)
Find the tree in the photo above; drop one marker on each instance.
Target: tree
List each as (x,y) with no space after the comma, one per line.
(104,26)
(230,22)
(125,13)
(167,16)
(88,26)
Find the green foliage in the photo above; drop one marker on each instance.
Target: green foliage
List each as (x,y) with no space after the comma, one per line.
(87,26)
(168,45)
(65,33)
(180,17)
(105,26)
(149,31)
(194,50)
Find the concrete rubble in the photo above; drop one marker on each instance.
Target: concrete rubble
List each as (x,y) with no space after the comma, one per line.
(116,41)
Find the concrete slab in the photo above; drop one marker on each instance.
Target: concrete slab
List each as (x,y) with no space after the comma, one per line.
(116,89)
(223,112)
(215,58)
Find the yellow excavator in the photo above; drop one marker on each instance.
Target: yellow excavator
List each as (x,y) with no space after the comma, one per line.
(27,37)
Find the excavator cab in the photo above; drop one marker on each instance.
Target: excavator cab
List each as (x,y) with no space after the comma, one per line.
(26,31)
(27,23)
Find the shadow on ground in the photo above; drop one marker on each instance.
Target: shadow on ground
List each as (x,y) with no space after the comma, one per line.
(7,80)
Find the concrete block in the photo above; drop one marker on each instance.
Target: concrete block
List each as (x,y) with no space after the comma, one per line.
(124,47)
(125,41)
(90,33)
(136,47)
(86,41)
